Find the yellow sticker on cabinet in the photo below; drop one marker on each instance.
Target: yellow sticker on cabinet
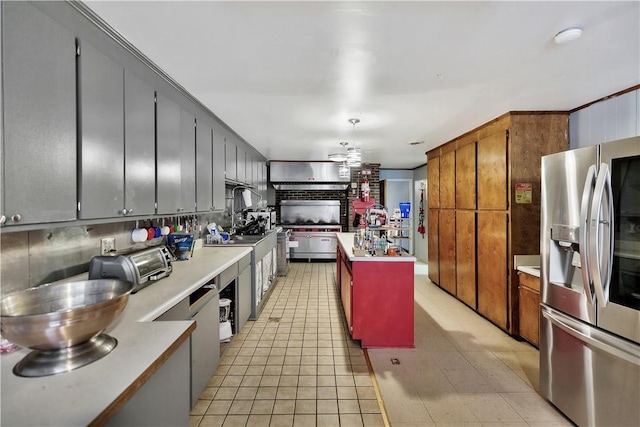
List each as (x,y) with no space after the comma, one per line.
(524,193)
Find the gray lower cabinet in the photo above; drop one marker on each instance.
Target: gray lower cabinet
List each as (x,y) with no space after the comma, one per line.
(218,162)
(244,291)
(205,347)
(205,339)
(38,153)
(163,400)
(101,127)
(204,171)
(168,155)
(139,147)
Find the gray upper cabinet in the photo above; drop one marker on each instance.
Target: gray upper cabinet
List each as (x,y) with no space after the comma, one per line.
(241,174)
(204,174)
(218,169)
(39,115)
(169,162)
(188,162)
(140,147)
(102,134)
(257,171)
(230,165)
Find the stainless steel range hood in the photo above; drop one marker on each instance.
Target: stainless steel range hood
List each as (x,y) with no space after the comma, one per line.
(306,176)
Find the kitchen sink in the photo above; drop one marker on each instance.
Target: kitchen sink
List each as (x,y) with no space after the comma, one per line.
(247,239)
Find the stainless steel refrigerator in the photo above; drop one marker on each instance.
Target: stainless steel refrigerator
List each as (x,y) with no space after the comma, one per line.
(590,281)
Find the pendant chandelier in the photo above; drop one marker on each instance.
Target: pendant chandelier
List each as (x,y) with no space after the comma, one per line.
(354,154)
(349,157)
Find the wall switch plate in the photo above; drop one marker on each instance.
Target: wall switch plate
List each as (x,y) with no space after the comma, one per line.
(107,245)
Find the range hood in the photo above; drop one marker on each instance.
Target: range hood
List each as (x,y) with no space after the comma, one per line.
(306,176)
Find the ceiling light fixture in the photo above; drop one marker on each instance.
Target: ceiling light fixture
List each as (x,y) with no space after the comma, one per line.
(567,35)
(354,154)
(344,170)
(339,157)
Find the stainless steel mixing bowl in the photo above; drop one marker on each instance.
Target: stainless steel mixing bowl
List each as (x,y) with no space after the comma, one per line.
(62,315)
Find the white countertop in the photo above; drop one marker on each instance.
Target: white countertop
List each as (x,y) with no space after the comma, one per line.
(346,241)
(78,397)
(532,270)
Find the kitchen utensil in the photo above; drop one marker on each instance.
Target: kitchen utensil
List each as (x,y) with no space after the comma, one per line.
(157,231)
(165,230)
(139,235)
(151,233)
(63,323)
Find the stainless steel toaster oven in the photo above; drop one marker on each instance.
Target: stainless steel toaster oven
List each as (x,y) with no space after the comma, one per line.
(142,268)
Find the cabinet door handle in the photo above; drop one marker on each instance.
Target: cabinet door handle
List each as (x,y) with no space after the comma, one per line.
(3,219)
(16,218)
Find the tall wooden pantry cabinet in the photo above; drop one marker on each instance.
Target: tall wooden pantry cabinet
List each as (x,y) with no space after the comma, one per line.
(484,208)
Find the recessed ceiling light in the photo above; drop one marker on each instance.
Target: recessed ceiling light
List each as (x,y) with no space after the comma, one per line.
(567,35)
(416,142)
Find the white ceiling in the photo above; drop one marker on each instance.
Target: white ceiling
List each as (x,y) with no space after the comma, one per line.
(287,76)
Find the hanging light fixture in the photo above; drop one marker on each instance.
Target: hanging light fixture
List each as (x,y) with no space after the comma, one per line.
(344,170)
(354,154)
(341,156)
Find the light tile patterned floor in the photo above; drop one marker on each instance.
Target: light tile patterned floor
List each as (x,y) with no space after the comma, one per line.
(295,365)
(462,371)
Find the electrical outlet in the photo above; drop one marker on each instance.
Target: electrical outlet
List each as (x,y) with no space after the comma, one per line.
(107,245)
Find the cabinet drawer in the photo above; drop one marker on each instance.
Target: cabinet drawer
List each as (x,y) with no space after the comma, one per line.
(244,262)
(228,275)
(529,281)
(529,314)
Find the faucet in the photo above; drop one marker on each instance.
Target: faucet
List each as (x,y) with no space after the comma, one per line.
(233,201)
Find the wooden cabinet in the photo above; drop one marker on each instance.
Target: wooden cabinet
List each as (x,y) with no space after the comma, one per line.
(433,235)
(346,289)
(433,180)
(448,180)
(489,227)
(447,242)
(38,153)
(493,287)
(466,257)
(492,171)
(465,176)
(529,313)
(101,163)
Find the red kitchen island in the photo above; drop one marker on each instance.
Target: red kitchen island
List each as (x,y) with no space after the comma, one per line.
(377,295)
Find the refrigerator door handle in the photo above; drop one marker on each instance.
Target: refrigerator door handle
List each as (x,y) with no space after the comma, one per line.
(583,237)
(601,236)
(573,327)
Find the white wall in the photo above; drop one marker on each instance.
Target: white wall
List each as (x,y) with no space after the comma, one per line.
(608,120)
